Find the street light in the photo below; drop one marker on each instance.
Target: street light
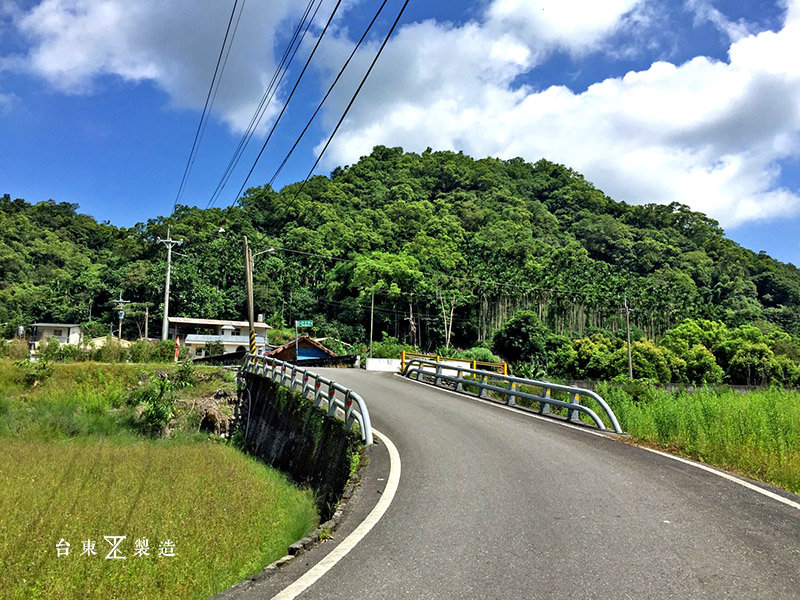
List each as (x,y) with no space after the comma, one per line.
(253,256)
(253,268)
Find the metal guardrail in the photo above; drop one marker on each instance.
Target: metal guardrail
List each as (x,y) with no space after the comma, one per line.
(420,368)
(501,367)
(321,390)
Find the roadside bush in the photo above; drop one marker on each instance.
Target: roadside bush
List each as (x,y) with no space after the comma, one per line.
(478,353)
(214,348)
(388,347)
(15,349)
(185,374)
(111,352)
(142,351)
(35,373)
(157,401)
(165,351)
(51,349)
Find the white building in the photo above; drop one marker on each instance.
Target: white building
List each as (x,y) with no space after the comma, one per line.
(233,335)
(65,333)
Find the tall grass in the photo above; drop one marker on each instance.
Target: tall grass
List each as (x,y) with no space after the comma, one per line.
(227,515)
(74,466)
(757,434)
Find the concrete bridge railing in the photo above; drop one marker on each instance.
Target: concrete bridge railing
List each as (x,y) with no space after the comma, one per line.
(322,391)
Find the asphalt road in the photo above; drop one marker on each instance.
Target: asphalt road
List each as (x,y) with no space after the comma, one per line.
(495,504)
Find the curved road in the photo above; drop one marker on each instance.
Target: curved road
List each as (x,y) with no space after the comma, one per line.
(496,504)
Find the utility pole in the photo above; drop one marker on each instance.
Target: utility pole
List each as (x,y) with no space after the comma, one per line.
(146,319)
(627,310)
(250,293)
(121,313)
(169,242)
(248,267)
(371,321)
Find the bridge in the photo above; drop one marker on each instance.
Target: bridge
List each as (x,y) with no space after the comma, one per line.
(470,499)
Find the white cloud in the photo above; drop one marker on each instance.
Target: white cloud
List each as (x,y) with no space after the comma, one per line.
(576,26)
(705,133)
(174,44)
(704,10)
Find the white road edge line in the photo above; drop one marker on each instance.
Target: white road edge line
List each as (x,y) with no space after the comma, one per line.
(350,542)
(680,459)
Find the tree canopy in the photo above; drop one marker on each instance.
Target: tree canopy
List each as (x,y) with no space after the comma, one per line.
(451,247)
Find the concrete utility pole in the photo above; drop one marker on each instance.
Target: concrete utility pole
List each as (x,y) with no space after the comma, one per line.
(252,269)
(248,267)
(627,310)
(169,242)
(121,313)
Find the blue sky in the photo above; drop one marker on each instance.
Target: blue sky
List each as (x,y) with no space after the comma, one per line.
(694,101)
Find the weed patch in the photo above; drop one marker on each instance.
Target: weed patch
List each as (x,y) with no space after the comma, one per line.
(757,434)
(227,515)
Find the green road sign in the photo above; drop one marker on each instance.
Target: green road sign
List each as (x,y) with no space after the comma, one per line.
(305,323)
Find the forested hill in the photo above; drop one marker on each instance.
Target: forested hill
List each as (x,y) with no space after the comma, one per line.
(448,245)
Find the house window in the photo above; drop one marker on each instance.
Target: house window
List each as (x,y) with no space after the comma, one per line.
(58,332)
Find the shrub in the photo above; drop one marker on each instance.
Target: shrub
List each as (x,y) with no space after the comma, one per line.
(142,351)
(478,353)
(35,373)
(16,349)
(111,352)
(214,348)
(51,348)
(157,400)
(185,375)
(389,347)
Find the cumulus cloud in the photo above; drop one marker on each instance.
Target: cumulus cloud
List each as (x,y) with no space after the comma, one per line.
(705,133)
(174,44)
(576,26)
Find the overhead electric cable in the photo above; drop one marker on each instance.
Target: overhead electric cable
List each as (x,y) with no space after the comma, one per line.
(208,103)
(352,100)
(330,89)
(291,94)
(268,96)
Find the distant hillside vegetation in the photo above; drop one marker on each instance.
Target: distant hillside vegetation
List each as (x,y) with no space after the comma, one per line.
(451,247)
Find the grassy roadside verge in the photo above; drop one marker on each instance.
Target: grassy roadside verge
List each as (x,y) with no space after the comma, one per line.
(76,468)
(756,434)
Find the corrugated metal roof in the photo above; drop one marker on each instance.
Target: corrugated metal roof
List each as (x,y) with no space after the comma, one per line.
(188,321)
(241,340)
(54,325)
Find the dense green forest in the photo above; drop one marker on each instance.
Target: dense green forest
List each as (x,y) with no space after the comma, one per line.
(449,248)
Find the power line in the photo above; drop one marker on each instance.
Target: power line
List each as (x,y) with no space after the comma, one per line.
(330,89)
(209,100)
(291,94)
(268,96)
(353,99)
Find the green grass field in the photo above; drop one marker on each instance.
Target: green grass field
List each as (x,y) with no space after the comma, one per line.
(75,468)
(756,434)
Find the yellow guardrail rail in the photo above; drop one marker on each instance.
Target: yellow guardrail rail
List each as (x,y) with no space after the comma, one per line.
(501,367)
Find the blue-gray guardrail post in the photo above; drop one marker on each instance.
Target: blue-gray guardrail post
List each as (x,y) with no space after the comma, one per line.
(544,407)
(482,392)
(573,415)
(512,387)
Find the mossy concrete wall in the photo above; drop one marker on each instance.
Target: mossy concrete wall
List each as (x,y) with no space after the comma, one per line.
(287,432)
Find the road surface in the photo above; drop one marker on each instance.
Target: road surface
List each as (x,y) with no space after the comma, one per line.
(496,504)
